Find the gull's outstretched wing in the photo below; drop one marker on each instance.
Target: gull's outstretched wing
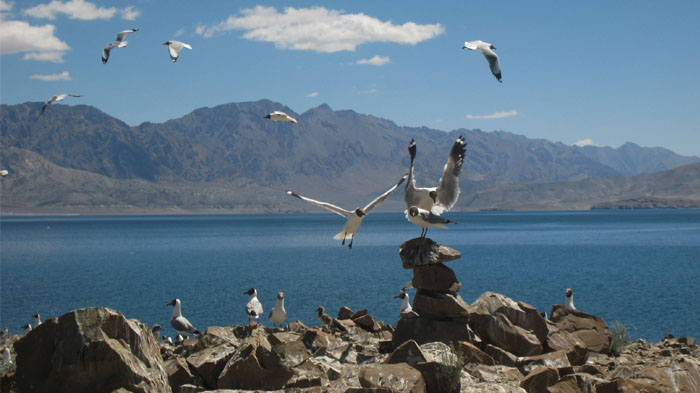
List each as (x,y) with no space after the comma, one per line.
(382,197)
(448,191)
(325,205)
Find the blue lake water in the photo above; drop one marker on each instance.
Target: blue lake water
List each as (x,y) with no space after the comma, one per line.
(640,268)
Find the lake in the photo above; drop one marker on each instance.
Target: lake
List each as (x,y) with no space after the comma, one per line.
(639,268)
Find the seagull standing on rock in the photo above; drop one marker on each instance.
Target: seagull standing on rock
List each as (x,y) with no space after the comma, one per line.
(254,308)
(6,355)
(27,328)
(178,322)
(353,218)
(570,299)
(325,319)
(119,43)
(156,331)
(426,219)
(280,116)
(174,48)
(37,319)
(278,314)
(486,49)
(406,308)
(443,197)
(59,97)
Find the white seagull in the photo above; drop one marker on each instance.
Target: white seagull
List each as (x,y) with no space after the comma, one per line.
(37,319)
(253,308)
(119,43)
(4,172)
(27,328)
(353,218)
(6,355)
(570,299)
(178,322)
(443,197)
(406,309)
(278,314)
(486,49)
(426,219)
(59,97)
(4,332)
(280,116)
(174,48)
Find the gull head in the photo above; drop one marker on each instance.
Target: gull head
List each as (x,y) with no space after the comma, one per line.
(280,295)
(166,43)
(491,46)
(413,211)
(320,310)
(401,295)
(35,316)
(360,212)
(156,328)
(433,196)
(569,292)
(251,291)
(174,302)
(26,326)
(266,116)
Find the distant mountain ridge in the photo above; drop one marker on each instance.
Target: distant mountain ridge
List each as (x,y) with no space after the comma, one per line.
(631,159)
(230,158)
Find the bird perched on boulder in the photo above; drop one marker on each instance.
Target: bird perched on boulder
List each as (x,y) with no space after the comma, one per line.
(6,355)
(156,331)
(406,309)
(178,322)
(426,219)
(325,319)
(37,319)
(27,328)
(278,314)
(253,309)
(570,299)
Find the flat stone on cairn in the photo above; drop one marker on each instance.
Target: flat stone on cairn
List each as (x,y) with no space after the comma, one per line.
(442,313)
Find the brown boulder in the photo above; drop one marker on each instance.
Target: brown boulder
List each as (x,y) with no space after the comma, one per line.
(587,328)
(561,340)
(424,330)
(178,373)
(90,350)
(209,362)
(556,359)
(424,251)
(501,356)
(254,366)
(519,313)
(365,321)
(437,278)
(500,331)
(565,385)
(438,305)
(399,377)
(408,352)
(345,313)
(538,380)
(472,354)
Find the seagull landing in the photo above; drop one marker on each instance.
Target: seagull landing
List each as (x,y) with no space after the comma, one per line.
(119,43)
(55,98)
(426,219)
(486,49)
(254,308)
(278,314)
(178,322)
(174,48)
(443,197)
(280,116)
(353,218)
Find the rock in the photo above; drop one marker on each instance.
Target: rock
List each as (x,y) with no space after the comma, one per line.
(399,377)
(345,313)
(292,352)
(424,251)
(424,330)
(519,314)
(589,329)
(254,366)
(303,383)
(209,362)
(409,352)
(556,359)
(501,356)
(560,340)
(365,321)
(443,369)
(90,350)
(540,379)
(298,327)
(438,305)
(687,340)
(187,388)
(472,354)
(565,385)
(216,335)
(502,374)
(179,374)
(436,278)
(500,331)
(320,343)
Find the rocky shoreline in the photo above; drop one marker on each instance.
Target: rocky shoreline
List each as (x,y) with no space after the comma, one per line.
(495,344)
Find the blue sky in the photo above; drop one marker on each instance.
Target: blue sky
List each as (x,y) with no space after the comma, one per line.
(607,72)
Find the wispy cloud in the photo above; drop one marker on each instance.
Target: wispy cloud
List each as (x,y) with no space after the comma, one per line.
(312,94)
(375,61)
(179,33)
(585,142)
(319,29)
(79,9)
(495,115)
(39,42)
(367,91)
(5,6)
(63,76)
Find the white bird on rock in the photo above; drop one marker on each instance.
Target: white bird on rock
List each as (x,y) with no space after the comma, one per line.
(443,197)
(253,309)
(278,314)
(174,48)
(570,299)
(406,309)
(119,43)
(59,97)
(37,319)
(6,355)
(178,322)
(27,328)
(353,218)
(280,116)
(4,172)
(486,49)
(426,219)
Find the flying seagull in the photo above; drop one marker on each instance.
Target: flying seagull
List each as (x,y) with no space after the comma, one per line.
(354,218)
(441,198)
(426,219)
(4,172)
(254,308)
(55,98)
(486,49)
(178,322)
(278,314)
(119,43)
(570,299)
(174,48)
(280,116)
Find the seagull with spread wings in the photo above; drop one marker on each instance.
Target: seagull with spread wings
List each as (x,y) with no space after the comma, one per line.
(119,43)
(174,48)
(354,218)
(59,97)
(443,197)
(486,49)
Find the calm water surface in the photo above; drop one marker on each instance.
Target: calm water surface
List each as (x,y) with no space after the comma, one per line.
(640,268)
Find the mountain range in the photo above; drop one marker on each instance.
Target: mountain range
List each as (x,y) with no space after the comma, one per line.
(230,159)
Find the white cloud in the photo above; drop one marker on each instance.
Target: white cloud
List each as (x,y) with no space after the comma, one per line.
(179,33)
(312,94)
(495,115)
(585,142)
(319,29)
(199,30)
(79,9)
(39,41)
(376,60)
(63,76)
(5,6)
